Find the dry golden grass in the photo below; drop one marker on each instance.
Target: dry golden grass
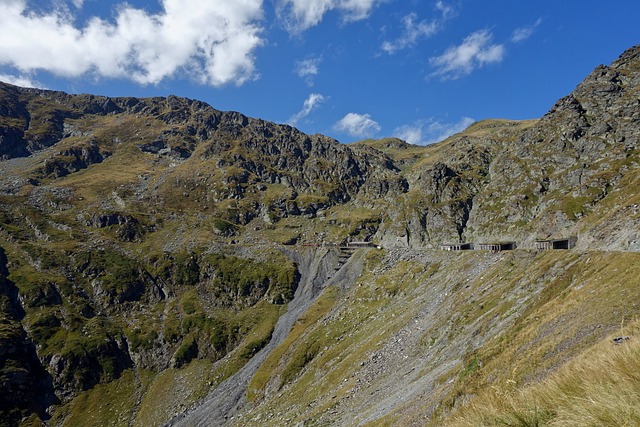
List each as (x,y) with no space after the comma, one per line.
(599,388)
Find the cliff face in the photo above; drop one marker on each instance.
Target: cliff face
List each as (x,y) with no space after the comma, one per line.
(26,385)
(559,176)
(142,239)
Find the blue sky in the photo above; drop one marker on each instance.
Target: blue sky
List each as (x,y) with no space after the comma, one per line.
(350,69)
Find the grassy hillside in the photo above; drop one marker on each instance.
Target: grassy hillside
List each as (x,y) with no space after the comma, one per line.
(599,387)
(422,333)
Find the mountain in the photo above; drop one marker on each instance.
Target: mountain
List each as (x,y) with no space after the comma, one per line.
(165,262)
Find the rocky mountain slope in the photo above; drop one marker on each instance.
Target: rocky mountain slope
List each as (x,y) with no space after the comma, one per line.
(156,250)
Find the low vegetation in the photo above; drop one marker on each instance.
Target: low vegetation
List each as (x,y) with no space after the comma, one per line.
(601,387)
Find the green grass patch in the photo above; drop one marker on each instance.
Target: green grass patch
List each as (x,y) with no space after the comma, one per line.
(318,309)
(106,404)
(174,390)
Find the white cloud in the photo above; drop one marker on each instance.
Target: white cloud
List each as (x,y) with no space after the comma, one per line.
(447,10)
(307,69)
(300,15)
(429,131)
(523,33)
(77,3)
(312,102)
(413,31)
(476,51)
(410,133)
(358,125)
(211,41)
(22,81)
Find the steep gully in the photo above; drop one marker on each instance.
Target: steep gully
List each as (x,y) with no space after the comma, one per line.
(319,268)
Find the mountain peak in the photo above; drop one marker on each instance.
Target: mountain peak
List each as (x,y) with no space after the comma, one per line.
(630,59)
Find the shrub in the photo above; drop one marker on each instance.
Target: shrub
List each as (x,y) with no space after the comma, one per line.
(186,352)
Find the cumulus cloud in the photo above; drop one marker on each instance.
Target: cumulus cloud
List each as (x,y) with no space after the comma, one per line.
(300,15)
(476,51)
(413,31)
(358,125)
(22,81)
(307,69)
(212,42)
(523,33)
(312,102)
(424,132)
